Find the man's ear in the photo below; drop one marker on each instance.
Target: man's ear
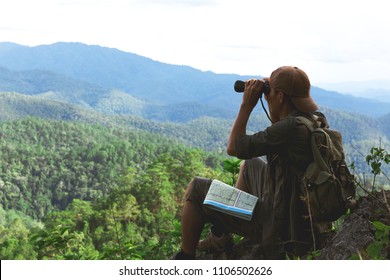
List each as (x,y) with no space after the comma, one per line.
(281,97)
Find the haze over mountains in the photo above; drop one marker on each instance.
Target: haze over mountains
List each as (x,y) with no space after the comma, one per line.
(78,81)
(113,81)
(374,89)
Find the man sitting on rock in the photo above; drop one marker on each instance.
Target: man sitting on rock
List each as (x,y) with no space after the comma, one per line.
(278,223)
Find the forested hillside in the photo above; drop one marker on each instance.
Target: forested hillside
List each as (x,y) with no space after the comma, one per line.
(360,132)
(73,190)
(98,188)
(46,164)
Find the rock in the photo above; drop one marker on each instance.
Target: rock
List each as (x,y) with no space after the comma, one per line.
(357,232)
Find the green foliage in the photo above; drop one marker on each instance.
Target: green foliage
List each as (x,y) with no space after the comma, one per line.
(14,235)
(47,164)
(100,192)
(233,167)
(375,159)
(374,250)
(62,243)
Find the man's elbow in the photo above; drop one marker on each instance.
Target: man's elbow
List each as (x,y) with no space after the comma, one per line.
(231,151)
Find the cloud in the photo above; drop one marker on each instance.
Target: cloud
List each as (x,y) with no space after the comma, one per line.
(330,38)
(165,3)
(8,28)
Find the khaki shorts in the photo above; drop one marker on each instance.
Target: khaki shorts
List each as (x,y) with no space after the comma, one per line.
(255,177)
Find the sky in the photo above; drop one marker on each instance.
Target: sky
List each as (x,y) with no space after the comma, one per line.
(333,41)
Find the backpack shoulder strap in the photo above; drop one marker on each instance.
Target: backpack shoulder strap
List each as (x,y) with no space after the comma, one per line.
(305,121)
(310,124)
(316,121)
(316,125)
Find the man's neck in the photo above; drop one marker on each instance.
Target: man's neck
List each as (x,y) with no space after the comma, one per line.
(286,111)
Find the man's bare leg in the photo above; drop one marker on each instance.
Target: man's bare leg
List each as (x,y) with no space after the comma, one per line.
(240,184)
(191,228)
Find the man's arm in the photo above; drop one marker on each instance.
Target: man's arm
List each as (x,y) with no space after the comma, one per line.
(249,100)
(238,128)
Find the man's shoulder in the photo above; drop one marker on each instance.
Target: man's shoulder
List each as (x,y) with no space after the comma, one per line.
(311,116)
(287,124)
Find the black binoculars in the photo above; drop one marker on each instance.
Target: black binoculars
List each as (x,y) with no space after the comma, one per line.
(239,86)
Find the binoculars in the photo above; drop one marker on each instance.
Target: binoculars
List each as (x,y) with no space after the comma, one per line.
(239,86)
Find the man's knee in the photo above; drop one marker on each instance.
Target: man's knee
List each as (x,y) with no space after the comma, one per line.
(242,166)
(197,188)
(241,182)
(189,189)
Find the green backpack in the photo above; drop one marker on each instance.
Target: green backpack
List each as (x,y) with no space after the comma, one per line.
(328,187)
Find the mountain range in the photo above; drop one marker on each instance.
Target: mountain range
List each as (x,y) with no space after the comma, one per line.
(373,89)
(87,82)
(113,81)
(78,82)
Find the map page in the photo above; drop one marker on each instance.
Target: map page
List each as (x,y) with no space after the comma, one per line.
(227,199)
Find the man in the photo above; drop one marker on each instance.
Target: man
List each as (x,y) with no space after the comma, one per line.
(279,223)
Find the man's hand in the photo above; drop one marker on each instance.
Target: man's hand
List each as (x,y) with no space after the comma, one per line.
(249,100)
(252,92)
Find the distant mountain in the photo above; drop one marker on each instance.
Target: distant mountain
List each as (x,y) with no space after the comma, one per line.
(372,89)
(114,69)
(56,87)
(95,71)
(359,132)
(205,132)
(16,106)
(36,82)
(349,103)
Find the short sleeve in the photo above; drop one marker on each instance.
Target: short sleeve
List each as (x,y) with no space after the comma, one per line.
(270,141)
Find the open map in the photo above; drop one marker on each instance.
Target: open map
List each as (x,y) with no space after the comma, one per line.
(225,198)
